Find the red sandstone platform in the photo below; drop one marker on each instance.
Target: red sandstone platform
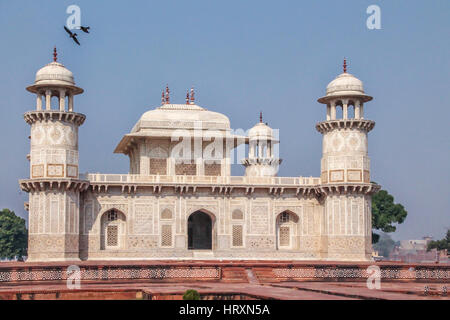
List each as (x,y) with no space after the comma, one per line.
(156,280)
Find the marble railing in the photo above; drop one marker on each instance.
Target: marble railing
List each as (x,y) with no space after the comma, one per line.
(234,180)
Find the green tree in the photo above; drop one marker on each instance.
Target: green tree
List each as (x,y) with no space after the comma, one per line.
(191,295)
(385,244)
(385,213)
(440,244)
(13,235)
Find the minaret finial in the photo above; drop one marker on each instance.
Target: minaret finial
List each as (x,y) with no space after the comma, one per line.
(55,54)
(187,97)
(260,116)
(167,95)
(163,98)
(192,98)
(345,65)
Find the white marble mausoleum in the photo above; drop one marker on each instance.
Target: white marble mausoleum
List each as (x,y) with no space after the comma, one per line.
(179,199)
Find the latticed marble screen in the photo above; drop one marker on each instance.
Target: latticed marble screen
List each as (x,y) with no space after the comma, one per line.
(189,169)
(212,169)
(112,215)
(238,236)
(158,166)
(284,236)
(112,236)
(284,217)
(237,215)
(166,235)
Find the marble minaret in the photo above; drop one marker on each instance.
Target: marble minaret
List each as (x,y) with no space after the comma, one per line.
(54,186)
(345,169)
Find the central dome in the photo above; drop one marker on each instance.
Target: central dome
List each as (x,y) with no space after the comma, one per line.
(181,116)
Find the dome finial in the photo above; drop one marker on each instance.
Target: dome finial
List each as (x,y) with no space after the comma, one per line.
(260,116)
(167,97)
(192,98)
(55,54)
(345,65)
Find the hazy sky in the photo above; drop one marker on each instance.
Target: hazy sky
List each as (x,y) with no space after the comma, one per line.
(243,57)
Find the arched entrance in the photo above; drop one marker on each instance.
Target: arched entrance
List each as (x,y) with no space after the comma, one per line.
(199,231)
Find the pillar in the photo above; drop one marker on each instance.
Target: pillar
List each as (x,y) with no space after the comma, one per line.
(361,110)
(48,97)
(62,100)
(357,110)
(345,109)
(328,112)
(38,101)
(333,110)
(251,150)
(70,102)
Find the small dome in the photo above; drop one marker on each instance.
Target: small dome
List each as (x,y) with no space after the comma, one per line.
(54,73)
(345,84)
(260,131)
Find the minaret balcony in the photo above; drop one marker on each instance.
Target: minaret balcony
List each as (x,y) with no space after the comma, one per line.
(329,125)
(52,115)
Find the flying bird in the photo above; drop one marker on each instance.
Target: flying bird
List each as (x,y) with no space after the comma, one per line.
(85,29)
(72,35)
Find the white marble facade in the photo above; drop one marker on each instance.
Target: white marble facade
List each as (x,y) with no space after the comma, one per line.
(179,199)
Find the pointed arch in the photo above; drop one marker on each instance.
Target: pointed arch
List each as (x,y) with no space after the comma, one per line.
(201,230)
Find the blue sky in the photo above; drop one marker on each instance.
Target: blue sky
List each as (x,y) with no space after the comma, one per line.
(243,57)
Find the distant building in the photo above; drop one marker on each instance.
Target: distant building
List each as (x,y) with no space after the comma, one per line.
(416,251)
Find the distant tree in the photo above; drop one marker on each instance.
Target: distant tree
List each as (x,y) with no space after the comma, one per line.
(385,244)
(440,244)
(13,235)
(385,213)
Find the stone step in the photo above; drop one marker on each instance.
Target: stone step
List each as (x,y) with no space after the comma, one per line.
(203,254)
(234,275)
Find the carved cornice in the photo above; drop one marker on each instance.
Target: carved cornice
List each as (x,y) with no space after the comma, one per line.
(30,185)
(349,188)
(54,115)
(301,190)
(361,124)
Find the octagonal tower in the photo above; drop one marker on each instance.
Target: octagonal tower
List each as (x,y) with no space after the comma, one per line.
(345,169)
(54,186)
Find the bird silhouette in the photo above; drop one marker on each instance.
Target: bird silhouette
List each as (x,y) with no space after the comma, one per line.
(72,35)
(85,29)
